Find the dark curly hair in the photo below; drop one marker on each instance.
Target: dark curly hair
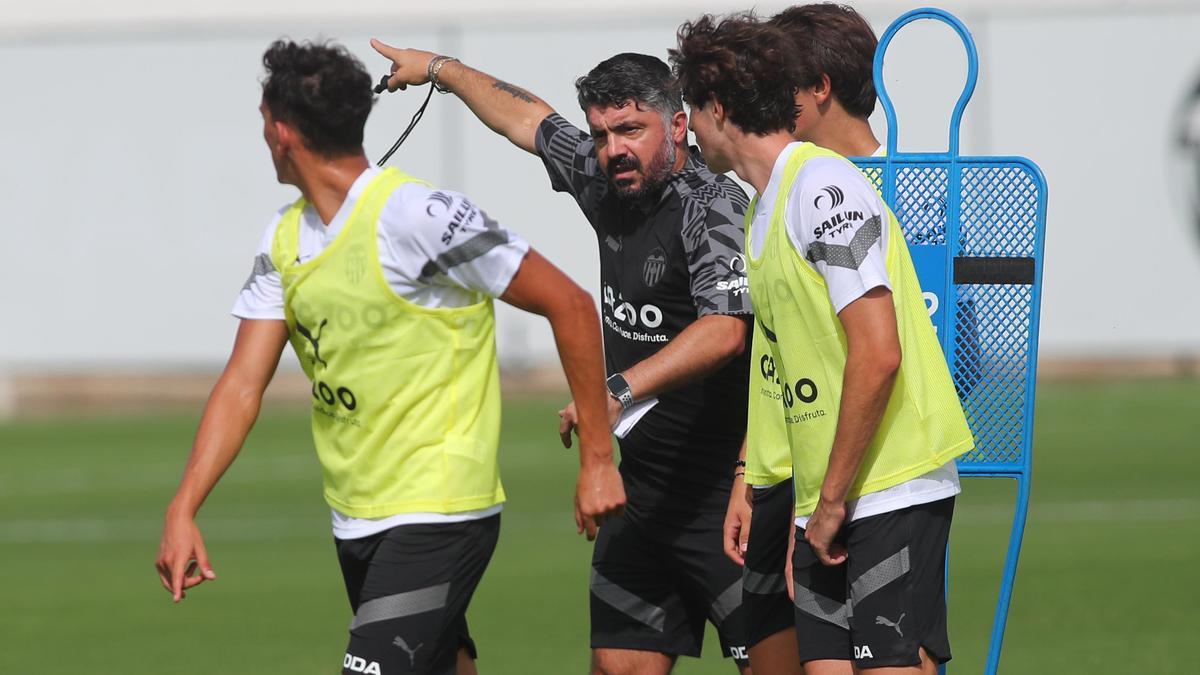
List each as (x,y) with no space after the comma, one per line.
(836,41)
(320,89)
(638,78)
(746,65)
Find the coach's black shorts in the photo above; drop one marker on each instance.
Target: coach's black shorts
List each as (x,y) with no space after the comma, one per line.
(653,585)
(409,588)
(887,600)
(764,588)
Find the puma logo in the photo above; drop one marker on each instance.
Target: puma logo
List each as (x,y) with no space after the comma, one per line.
(412,653)
(884,621)
(316,341)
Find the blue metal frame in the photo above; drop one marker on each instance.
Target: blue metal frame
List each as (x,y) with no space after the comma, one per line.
(955,166)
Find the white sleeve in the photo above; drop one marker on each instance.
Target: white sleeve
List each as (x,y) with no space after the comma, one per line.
(261,296)
(440,238)
(838,223)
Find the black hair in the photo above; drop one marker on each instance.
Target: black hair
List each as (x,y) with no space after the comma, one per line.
(320,89)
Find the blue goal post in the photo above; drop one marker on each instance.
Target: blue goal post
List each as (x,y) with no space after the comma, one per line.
(975,226)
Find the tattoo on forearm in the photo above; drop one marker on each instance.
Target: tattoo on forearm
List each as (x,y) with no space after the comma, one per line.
(516,92)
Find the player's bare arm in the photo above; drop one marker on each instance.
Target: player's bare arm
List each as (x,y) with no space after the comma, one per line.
(506,109)
(872,360)
(542,288)
(737,515)
(230,412)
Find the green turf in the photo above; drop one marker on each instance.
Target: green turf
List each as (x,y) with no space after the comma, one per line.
(1107,581)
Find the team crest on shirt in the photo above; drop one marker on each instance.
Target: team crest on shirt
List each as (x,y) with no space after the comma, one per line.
(356,264)
(656,264)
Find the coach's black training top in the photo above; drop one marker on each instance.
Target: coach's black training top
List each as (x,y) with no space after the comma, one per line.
(662,266)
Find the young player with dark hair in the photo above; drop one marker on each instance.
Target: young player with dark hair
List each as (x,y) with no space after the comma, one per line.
(835,49)
(873,421)
(384,287)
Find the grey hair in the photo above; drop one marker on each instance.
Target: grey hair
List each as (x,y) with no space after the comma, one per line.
(641,79)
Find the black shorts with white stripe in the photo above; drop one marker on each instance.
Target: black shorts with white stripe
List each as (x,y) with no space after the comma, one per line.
(887,600)
(409,588)
(654,584)
(764,588)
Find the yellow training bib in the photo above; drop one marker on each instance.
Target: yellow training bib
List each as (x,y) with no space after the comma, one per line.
(406,399)
(768,455)
(923,426)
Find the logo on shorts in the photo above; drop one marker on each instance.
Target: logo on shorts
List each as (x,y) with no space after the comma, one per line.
(884,621)
(656,264)
(357,664)
(863,652)
(314,340)
(412,653)
(835,195)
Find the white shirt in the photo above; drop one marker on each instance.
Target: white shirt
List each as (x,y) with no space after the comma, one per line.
(436,248)
(830,214)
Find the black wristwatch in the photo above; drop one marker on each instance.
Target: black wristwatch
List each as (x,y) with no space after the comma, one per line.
(619,388)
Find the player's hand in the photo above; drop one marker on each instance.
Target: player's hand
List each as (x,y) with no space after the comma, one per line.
(182,560)
(409,66)
(822,527)
(614,412)
(599,496)
(737,521)
(568,420)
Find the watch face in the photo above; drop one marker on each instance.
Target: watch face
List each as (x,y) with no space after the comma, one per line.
(617,384)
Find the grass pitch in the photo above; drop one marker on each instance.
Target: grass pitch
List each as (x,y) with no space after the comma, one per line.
(1106,583)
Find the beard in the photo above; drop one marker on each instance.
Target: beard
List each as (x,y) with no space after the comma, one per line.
(654,176)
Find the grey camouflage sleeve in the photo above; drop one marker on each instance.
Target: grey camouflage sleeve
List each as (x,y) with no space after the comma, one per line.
(714,238)
(569,154)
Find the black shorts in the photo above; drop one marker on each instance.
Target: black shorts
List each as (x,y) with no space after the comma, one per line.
(653,585)
(887,600)
(764,587)
(409,588)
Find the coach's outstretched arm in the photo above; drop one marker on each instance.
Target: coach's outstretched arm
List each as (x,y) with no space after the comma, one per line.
(699,350)
(230,412)
(542,288)
(508,110)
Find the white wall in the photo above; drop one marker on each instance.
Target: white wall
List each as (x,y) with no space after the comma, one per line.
(136,183)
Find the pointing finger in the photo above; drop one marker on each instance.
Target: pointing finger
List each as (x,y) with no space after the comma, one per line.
(385,49)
